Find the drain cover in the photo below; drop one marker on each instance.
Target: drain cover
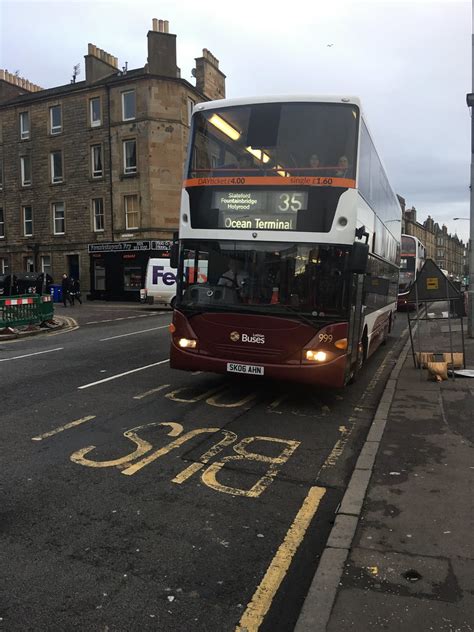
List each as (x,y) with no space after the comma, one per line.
(411,575)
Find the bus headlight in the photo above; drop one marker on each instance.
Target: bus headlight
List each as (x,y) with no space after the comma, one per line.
(187,343)
(316,356)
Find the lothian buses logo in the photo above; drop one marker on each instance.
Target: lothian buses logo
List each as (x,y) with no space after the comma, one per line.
(254,338)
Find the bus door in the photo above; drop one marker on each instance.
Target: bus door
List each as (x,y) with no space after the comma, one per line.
(356,320)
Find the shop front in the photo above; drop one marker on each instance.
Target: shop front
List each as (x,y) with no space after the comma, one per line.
(118,269)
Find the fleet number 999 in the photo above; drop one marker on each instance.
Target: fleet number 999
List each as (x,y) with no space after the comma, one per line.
(325,337)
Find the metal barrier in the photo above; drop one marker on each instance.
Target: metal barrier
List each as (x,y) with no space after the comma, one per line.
(25,310)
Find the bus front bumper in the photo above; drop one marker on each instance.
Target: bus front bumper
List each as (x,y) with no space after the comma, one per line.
(332,373)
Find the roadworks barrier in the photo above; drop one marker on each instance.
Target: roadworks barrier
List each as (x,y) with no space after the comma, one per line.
(30,309)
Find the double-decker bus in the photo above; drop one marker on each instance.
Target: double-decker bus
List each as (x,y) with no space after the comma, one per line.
(287,214)
(412,259)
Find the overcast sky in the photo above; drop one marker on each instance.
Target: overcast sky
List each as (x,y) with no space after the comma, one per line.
(409,62)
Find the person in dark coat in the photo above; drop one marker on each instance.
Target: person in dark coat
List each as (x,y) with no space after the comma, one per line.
(43,283)
(75,290)
(65,286)
(39,285)
(10,285)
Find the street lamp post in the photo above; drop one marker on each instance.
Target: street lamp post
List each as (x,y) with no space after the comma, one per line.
(470,300)
(470,104)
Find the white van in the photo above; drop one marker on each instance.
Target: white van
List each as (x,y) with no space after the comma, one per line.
(160,283)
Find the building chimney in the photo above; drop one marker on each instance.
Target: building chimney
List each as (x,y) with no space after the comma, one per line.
(209,79)
(12,86)
(99,64)
(162,50)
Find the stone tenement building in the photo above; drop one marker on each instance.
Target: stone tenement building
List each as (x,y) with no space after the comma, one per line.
(91,172)
(448,251)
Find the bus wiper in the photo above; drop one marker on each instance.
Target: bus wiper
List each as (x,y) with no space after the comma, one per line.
(294,310)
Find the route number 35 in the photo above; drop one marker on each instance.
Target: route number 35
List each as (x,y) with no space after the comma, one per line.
(325,337)
(293,202)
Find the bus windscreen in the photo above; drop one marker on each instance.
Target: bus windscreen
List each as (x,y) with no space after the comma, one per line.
(273,278)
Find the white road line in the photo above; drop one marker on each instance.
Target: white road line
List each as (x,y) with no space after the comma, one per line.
(151,391)
(27,355)
(114,377)
(71,424)
(133,333)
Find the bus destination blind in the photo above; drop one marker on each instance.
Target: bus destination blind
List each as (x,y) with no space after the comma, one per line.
(261,210)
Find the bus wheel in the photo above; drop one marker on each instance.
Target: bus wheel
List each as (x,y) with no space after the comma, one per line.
(361,358)
(363,348)
(387,330)
(173,302)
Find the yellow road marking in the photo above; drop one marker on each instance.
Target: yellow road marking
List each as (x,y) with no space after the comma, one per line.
(276,402)
(229,437)
(208,393)
(213,401)
(209,475)
(167,448)
(187,473)
(150,392)
(142,446)
(339,446)
(72,424)
(262,599)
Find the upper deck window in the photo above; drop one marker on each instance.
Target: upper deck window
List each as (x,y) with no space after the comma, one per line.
(276,139)
(272,166)
(408,245)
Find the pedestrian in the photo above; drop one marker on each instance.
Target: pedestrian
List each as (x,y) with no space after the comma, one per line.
(65,286)
(75,290)
(39,283)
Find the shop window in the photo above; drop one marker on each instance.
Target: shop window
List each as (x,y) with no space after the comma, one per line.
(99,275)
(132,278)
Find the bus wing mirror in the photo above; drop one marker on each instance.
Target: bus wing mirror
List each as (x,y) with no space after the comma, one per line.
(359,258)
(174,256)
(174,252)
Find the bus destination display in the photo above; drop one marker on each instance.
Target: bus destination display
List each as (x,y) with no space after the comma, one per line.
(262,210)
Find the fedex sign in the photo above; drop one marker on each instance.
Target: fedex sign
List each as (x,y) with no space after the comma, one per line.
(169,278)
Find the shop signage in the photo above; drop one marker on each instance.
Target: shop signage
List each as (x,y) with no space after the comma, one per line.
(129,246)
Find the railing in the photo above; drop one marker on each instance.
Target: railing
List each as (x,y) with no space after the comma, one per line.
(25,310)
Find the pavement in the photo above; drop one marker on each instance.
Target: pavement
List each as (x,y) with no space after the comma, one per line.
(401,553)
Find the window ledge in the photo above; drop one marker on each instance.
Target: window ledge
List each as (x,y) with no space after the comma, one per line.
(125,176)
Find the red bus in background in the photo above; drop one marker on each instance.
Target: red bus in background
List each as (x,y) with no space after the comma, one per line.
(412,259)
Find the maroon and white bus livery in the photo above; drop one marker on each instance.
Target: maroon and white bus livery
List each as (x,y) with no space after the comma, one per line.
(288,245)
